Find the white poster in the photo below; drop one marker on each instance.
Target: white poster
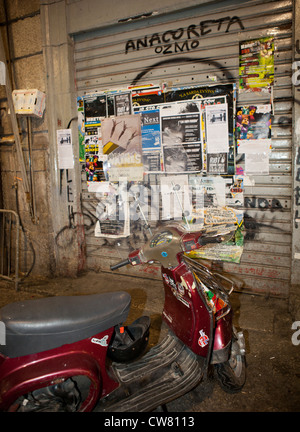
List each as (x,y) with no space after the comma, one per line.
(217,128)
(64,149)
(254,146)
(257,163)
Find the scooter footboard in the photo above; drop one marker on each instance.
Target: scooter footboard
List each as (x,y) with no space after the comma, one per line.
(167,371)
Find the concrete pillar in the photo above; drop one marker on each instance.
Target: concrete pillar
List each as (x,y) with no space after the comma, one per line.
(61,110)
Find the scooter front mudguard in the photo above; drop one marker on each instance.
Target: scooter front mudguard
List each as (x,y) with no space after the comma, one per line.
(21,375)
(222,339)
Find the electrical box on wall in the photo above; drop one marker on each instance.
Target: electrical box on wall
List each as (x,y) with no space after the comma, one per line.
(29,102)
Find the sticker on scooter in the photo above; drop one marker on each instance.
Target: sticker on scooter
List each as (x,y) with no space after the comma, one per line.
(102,342)
(203,339)
(180,288)
(177,289)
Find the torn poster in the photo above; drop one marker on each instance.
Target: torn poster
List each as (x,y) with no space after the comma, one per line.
(112,212)
(257,163)
(254,146)
(122,142)
(257,154)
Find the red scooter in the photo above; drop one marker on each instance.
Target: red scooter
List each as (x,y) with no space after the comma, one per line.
(73,353)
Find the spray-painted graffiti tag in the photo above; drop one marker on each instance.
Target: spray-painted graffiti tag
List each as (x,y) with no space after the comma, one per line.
(182,39)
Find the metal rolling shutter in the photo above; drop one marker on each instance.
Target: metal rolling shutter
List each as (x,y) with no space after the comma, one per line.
(101,64)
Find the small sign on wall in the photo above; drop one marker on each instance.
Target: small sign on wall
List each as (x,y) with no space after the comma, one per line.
(64,149)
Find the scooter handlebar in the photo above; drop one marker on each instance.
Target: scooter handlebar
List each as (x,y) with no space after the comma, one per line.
(206,240)
(120,264)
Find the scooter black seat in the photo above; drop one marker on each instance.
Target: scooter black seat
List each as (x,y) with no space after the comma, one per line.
(38,325)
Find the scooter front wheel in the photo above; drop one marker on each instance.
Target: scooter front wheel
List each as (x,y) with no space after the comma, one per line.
(231,374)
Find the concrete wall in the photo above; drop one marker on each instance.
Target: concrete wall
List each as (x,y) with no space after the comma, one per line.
(22,37)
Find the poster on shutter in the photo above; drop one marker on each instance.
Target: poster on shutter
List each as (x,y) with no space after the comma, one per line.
(123,104)
(210,95)
(181,142)
(81,128)
(146,95)
(217,163)
(217,140)
(122,143)
(256,68)
(151,140)
(253,122)
(94,111)
(253,133)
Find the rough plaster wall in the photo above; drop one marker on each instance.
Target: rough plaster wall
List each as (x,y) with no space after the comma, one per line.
(22,23)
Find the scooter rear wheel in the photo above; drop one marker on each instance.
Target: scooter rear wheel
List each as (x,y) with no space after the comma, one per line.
(66,396)
(231,374)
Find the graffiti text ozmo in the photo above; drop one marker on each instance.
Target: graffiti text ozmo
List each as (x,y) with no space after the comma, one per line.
(182,39)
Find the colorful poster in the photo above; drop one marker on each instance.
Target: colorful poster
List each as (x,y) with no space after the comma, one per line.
(253,122)
(146,95)
(81,128)
(151,140)
(256,69)
(94,167)
(253,133)
(150,130)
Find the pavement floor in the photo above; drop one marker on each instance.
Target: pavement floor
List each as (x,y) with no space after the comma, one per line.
(272,341)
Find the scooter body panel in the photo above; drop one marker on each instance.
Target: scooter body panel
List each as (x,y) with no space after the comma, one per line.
(21,375)
(184,310)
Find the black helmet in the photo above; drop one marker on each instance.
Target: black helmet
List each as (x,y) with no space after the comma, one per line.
(129,342)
